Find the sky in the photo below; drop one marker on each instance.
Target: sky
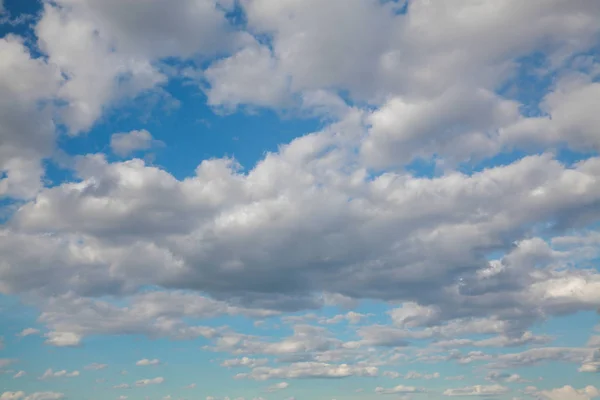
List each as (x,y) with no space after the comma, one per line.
(299,199)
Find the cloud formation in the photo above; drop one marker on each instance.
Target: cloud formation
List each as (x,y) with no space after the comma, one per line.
(443,207)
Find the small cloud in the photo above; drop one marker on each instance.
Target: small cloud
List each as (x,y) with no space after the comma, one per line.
(124,144)
(28,332)
(19,374)
(400,389)
(477,390)
(63,339)
(153,381)
(590,367)
(121,386)
(456,378)
(244,362)
(416,375)
(146,362)
(190,386)
(59,374)
(278,386)
(95,366)
(506,377)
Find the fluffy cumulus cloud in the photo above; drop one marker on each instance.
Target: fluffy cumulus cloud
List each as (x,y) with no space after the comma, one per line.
(438,201)
(570,393)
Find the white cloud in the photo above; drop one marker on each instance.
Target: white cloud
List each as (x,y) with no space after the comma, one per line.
(244,362)
(571,118)
(190,27)
(400,389)
(155,314)
(416,375)
(351,317)
(570,393)
(19,374)
(536,356)
(124,144)
(26,127)
(314,223)
(592,362)
(539,173)
(96,366)
(393,54)
(121,386)
(49,373)
(309,370)
(477,390)
(28,332)
(250,76)
(111,54)
(495,376)
(590,367)
(234,219)
(91,64)
(402,131)
(153,381)
(277,387)
(45,396)
(146,362)
(63,339)
(12,395)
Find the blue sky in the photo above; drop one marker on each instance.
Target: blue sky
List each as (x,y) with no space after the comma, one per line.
(287,200)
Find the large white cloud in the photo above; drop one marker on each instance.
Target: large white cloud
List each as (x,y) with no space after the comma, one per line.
(251,234)
(256,228)
(421,52)
(109,51)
